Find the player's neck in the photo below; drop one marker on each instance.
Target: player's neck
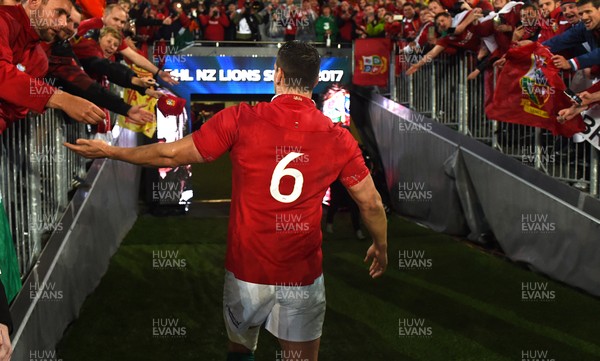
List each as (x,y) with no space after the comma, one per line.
(293,91)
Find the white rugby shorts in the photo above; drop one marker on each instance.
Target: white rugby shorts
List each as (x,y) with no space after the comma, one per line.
(290,312)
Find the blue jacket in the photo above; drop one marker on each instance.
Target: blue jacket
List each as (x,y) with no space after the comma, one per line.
(576,36)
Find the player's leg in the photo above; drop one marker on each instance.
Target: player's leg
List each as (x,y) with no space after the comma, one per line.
(305,351)
(239,352)
(297,320)
(246,306)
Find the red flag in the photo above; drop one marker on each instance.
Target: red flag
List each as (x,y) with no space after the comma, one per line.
(372,61)
(530,91)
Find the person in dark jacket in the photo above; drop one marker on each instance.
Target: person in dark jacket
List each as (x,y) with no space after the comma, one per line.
(583,32)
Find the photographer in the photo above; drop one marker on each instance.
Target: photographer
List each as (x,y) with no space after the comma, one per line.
(178,28)
(247,21)
(273,27)
(214,24)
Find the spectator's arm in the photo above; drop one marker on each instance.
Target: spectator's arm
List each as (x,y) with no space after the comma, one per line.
(432,54)
(139,60)
(570,38)
(144,63)
(116,72)
(473,15)
(75,81)
(586,60)
(99,96)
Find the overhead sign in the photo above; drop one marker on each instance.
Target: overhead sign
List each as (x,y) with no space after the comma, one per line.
(242,75)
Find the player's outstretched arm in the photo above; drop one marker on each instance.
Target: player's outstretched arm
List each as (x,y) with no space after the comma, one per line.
(369,202)
(171,155)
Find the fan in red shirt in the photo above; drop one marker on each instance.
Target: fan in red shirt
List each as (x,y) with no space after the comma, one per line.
(467,35)
(426,37)
(457,6)
(345,23)
(116,17)
(410,22)
(551,20)
(214,24)
(65,68)
(284,156)
(23,61)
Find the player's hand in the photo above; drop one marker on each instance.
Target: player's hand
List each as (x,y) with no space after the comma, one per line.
(5,346)
(378,254)
(138,115)
(89,148)
(77,108)
(560,62)
(166,77)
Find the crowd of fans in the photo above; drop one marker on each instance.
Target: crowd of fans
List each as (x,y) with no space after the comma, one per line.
(128,27)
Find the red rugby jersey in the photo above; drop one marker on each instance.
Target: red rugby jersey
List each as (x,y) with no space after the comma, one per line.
(284,156)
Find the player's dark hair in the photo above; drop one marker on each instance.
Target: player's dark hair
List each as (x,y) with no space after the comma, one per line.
(300,63)
(595,3)
(529,6)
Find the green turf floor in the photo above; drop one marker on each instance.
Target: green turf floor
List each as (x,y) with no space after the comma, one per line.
(463,303)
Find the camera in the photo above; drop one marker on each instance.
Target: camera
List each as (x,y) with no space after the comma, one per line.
(215,13)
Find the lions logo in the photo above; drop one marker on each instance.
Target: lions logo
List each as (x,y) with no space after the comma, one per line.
(373,64)
(534,83)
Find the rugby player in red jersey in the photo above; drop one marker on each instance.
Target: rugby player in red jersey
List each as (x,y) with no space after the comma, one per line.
(284,153)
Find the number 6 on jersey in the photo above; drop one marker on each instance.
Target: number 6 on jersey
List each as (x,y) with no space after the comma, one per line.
(281,171)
